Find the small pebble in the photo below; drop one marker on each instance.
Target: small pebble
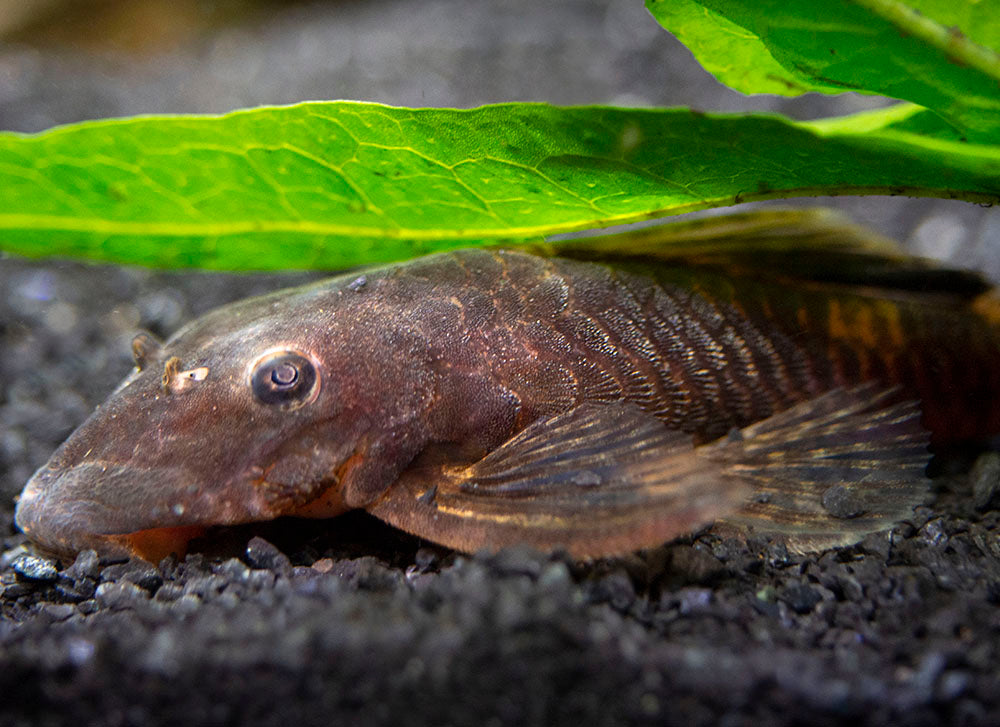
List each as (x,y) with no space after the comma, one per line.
(205,586)
(58,611)
(169,592)
(35,568)
(138,572)
(76,591)
(694,565)
(323,565)
(985,478)
(850,587)
(767,594)
(952,685)
(650,705)
(615,589)
(86,565)
(801,598)
(555,577)
(877,543)
(934,533)
(261,580)
(120,595)
(516,560)
(693,600)
(234,569)
(186,604)
(263,554)
(9,556)
(778,555)
(79,651)
(228,600)
(306,581)
(427,559)
(931,666)
(15,591)
(372,575)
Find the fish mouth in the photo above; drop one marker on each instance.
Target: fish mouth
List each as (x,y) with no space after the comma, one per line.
(125,511)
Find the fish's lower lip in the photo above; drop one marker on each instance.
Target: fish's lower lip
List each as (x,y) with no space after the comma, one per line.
(120,510)
(59,525)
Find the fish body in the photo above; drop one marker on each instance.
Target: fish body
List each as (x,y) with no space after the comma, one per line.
(482,397)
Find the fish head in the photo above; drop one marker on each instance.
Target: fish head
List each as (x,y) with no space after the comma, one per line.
(249,413)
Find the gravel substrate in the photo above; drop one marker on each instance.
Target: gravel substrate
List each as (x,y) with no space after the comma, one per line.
(350,621)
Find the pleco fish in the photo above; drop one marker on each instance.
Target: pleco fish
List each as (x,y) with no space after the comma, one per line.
(775,372)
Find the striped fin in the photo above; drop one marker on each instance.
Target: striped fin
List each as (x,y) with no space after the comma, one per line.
(827,472)
(816,245)
(606,479)
(600,479)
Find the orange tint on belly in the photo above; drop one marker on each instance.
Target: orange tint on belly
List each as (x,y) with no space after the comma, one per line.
(157,543)
(330,503)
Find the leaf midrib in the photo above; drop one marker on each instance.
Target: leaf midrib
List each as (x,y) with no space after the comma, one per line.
(97,226)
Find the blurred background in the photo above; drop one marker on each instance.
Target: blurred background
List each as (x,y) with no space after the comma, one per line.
(66,60)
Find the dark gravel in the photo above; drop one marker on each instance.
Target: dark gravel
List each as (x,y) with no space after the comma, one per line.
(350,621)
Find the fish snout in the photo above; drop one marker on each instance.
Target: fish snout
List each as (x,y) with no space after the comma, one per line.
(115,508)
(51,512)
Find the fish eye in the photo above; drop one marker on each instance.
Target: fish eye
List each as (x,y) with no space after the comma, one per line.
(284,378)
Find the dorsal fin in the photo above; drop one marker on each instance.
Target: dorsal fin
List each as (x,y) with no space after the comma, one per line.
(785,245)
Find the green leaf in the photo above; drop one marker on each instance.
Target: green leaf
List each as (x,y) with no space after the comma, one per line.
(903,117)
(936,53)
(329,185)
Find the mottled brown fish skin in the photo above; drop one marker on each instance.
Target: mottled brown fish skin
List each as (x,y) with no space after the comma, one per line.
(940,349)
(702,351)
(451,355)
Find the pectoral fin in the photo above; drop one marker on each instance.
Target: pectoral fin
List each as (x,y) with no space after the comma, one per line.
(597,480)
(606,479)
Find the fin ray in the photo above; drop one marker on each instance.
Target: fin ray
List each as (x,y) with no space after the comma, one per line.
(816,245)
(858,469)
(613,479)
